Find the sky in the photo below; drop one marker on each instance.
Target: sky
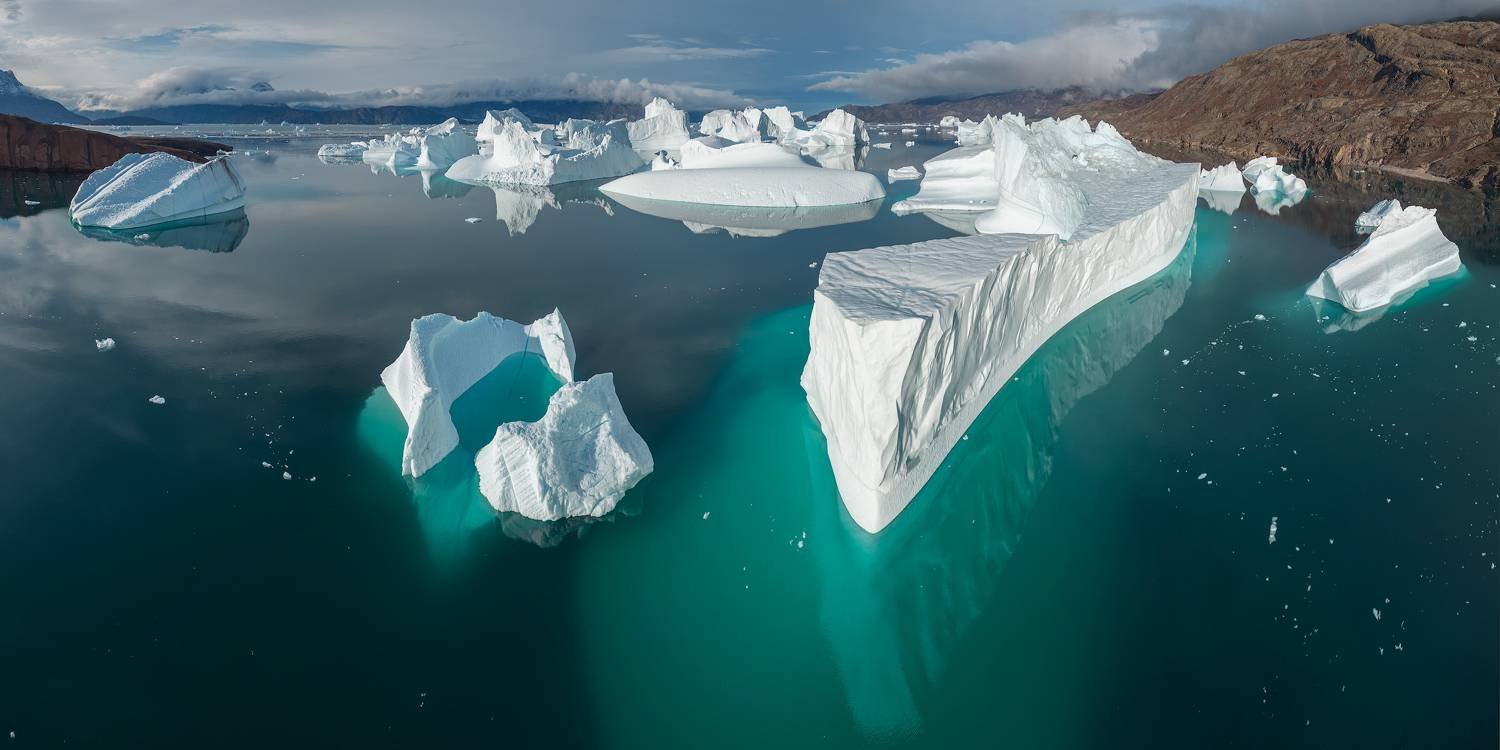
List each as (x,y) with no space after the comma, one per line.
(124,54)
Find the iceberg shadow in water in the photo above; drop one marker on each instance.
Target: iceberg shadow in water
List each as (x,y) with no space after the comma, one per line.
(894,604)
(218,233)
(744,221)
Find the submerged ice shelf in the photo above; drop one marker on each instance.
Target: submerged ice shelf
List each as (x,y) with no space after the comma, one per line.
(909,342)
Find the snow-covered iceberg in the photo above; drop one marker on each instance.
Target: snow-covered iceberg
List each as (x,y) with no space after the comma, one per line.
(1225,177)
(751,186)
(143,190)
(785,124)
(746,126)
(742,221)
(578,460)
(394,149)
(495,119)
(441,145)
(713,152)
(1406,251)
(960,179)
(444,357)
(909,342)
(585,150)
(665,128)
(1370,220)
(352,150)
(903,173)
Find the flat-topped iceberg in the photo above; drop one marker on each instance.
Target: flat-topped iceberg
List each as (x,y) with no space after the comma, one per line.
(495,119)
(441,145)
(903,173)
(1406,251)
(743,221)
(1225,177)
(909,342)
(751,186)
(444,357)
(352,150)
(143,190)
(585,150)
(578,460)
(665,128)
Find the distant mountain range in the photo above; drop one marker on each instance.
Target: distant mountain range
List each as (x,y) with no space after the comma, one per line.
(16,99)
(1029,102)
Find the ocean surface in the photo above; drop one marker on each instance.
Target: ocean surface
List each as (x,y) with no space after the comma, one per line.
(1208,513)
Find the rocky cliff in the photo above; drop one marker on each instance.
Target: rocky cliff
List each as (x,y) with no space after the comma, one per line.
(30,145)
(1421,100)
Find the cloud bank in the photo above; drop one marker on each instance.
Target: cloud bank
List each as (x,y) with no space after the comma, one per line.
(1133,51)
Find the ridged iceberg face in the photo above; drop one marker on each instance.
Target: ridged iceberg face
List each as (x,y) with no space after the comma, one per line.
(144,190)
(909,342)
(495,119)
(1406,251)
(441,145)
(578,460)
(444,357)
(665,128)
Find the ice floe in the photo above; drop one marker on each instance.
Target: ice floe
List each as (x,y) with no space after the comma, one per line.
(578,460)
(584,150)
(903,173)
(444,357)
(665,127)
(909,342)
(143,190)
(751,186)
(1406,251)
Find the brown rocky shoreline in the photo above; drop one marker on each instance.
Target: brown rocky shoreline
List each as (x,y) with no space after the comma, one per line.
(33,146)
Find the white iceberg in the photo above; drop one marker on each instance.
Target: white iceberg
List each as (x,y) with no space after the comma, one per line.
(785,124)
(903,173)
(960,179)
(441,145)
(1406,251)
(751,186)
(970,133)
(948,121)
(1225,177)
(1278,181)
(1256,166)
(352,150)
(885,146)
(741,127)
(741,221)
(665,128)
(1370,220)
(839,128)
(712,152)
(910,342)
(143,190)
(444,357)
(104,344)
(586,150)
(578,460)
(495,119)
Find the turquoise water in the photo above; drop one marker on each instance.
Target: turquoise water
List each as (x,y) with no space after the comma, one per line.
(1066,580)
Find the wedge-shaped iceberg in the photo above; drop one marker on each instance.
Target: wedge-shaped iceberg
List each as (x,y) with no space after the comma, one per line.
(785,124)
(143,190)
(578,460)
(1225,177)
(751,186)
(586,150)
(1406,251)
(960,179)
(441,145)
(444,357)
(495,119)
(1370,220)
(909,342)
(665,128)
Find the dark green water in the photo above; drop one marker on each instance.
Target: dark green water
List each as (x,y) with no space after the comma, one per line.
(1067,580)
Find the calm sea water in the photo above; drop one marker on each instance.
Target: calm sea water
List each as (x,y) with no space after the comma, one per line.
(1091,568)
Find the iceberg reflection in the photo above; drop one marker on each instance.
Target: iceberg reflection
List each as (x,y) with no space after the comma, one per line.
(1225,201)
(518,206)
(895,604)
(1272,201)
(436,185)
(220,233)
(744,221)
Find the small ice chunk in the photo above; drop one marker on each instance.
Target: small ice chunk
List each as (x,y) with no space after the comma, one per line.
(885,146)
(1272,538)
(32,202)
(158,400)
(104,344)
(903,173)
(473,220)
(1375,612)
(286,475)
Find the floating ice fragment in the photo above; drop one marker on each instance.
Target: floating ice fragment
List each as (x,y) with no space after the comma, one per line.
(1272,538)
(158,400)
(104,344)
(32,202)
(1375,612)
(473,220)
(903,173)
(1225,178)
(1259,316)
(1203,476)
(286,475)
(764,187)
(1370,220)
(885,146)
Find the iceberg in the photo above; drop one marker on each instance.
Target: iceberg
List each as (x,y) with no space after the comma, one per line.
(578,460)
(1225,177)
(885,146)
(1406,251)
(353,150)
(1278,181)
(1256,166)
(441,145)
(902,173)
(665,128)
(741,127)
(909,342)
(713,152)
(785,124)
(444,357)
(1370,220)
(393,150)
(948,121)
(970,133)
(1223,201)
(839,128)
(960,179)
(585,150)
(495,119)
(739,221)
(144,190)
(751,186)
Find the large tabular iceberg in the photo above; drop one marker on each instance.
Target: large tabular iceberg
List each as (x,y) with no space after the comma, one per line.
(909,342)
(578,460)
(441,145)
(444,357)
(1407,251)
(585,150)
(665,128)
(752,186)
(143,190)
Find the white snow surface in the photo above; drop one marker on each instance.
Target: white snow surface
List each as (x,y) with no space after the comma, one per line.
(441,145)
(752,186)
(1406,251)
(665,128)
(909,342)
(578,460)
(1225,178)
(143,190)
(444,357)
(712,152)
(903,173)
(1371,219)
(585,150)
